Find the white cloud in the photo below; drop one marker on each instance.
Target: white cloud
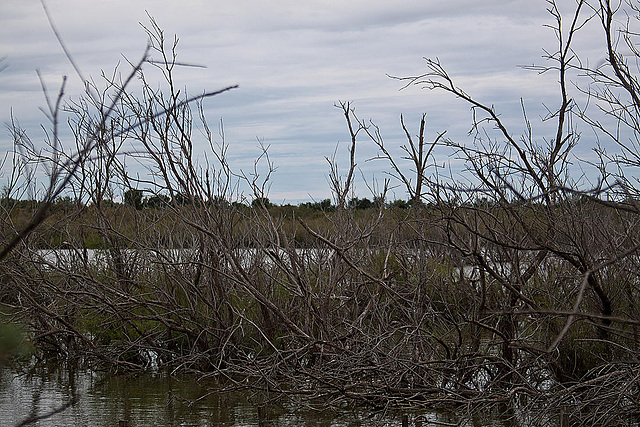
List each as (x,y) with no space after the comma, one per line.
(293,61)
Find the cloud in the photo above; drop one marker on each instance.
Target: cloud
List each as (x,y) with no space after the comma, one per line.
(293,60)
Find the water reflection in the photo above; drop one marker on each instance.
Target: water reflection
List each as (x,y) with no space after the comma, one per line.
(159,400)
(144,400)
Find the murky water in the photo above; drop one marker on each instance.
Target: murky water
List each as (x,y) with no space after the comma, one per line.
(155,400)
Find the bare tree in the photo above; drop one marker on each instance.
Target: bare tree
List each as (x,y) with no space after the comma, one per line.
(515,287)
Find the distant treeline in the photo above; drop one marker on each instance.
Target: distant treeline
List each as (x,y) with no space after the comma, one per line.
(136,199)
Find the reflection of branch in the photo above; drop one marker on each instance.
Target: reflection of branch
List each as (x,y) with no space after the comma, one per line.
(32,419)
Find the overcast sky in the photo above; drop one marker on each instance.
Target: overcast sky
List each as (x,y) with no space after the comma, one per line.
(293,60)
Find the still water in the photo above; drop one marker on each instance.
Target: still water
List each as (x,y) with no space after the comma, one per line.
(103,399)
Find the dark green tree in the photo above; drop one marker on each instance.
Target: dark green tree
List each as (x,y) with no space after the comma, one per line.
(261,201)
(133,198)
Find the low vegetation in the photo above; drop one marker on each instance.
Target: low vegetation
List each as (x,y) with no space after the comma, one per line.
(518,290)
